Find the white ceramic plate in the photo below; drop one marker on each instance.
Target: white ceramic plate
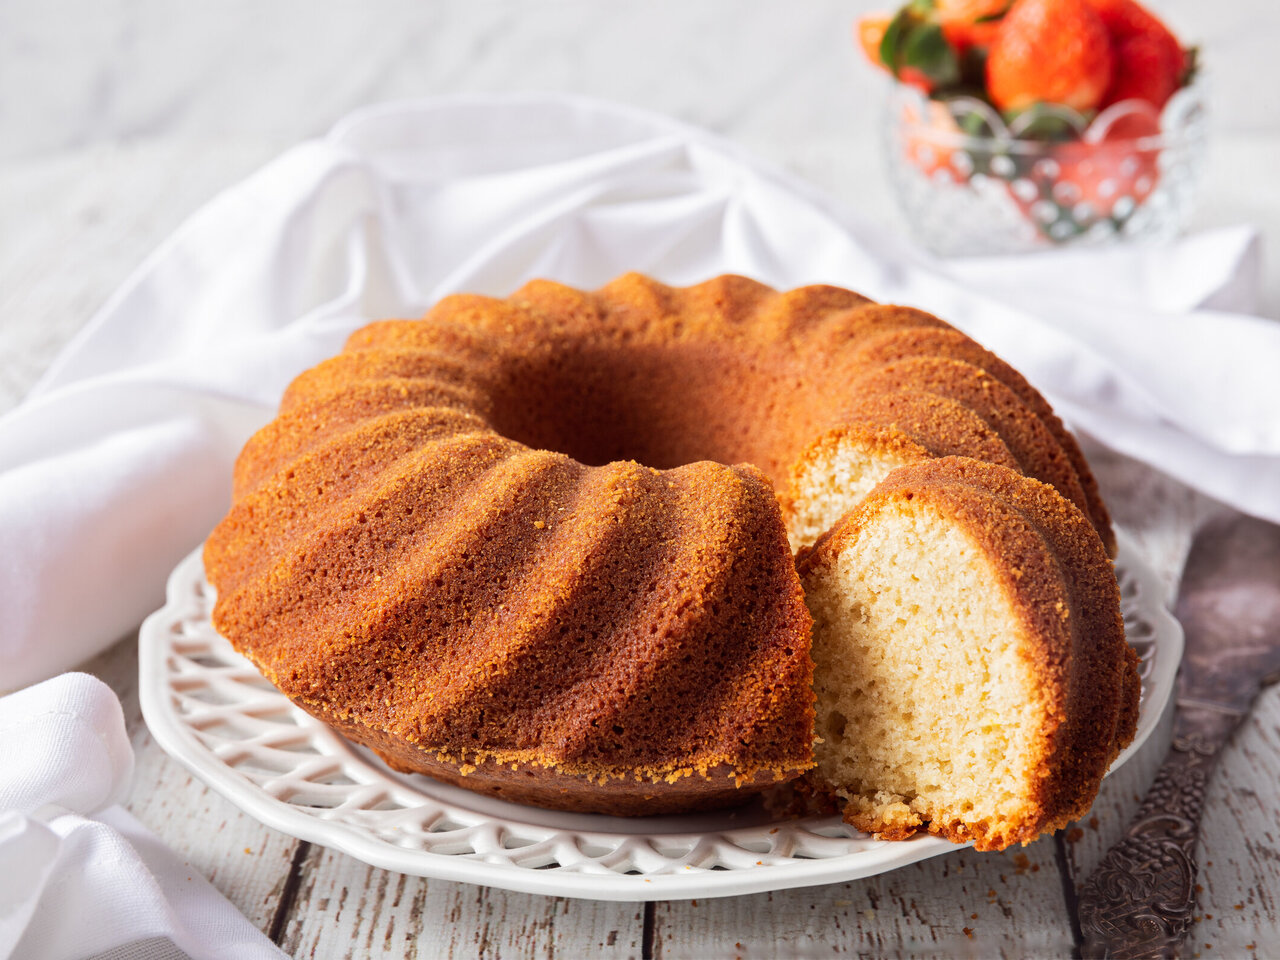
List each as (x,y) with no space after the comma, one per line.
(209,707)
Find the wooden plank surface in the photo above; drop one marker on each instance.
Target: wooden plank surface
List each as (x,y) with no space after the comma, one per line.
(343,905)
(960,904)
(1238,914)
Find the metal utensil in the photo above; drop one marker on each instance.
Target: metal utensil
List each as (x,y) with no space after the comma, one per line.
(1138,901)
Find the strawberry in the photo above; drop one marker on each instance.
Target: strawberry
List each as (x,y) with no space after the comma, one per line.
(911,45)
(927,140)
(1115,166)
(937,46)
(869,32)
(1127,18)
(969,24)
(965,35)
(1087,182)
(1055,51)
(1149,61)
(1145,69)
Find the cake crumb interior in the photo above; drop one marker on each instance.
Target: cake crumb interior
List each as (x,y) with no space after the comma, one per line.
(830,481)
(925,704)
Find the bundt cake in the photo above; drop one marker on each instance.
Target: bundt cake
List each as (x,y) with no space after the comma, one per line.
(542,547)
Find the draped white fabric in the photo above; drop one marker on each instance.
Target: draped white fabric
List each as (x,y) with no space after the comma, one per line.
(81,877)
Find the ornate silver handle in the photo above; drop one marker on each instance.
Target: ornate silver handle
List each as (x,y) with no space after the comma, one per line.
(1138,900)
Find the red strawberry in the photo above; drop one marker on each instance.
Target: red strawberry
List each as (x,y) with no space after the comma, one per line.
(934,45)
(1054,51)
(1089,182)
(1149,61)
(1118,165)
(965,35)
(869,31)
(912,46)
(969,23)
(927,140)
(1147,69)
(1127,18)
(914,77)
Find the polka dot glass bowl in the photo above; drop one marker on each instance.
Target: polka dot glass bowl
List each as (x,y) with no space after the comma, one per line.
(970,185)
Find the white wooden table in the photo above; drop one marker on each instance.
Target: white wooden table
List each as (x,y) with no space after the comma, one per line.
(117,122)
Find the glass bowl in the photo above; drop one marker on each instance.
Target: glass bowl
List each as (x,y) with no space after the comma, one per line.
(970,184)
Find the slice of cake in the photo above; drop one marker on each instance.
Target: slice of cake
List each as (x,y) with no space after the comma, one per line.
(971,671)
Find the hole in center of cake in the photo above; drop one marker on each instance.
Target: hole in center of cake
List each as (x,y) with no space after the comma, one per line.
(661,405)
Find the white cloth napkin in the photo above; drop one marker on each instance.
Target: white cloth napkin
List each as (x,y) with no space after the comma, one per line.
(80,877)
(119,461)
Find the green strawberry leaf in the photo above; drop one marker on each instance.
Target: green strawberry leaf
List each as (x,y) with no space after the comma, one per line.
(926,49)
(892,38)
(974,123)
(1044,126)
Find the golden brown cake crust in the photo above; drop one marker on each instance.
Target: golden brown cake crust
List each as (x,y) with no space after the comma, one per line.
(619,627)
(952,344)
(518,543)
(1028,439)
